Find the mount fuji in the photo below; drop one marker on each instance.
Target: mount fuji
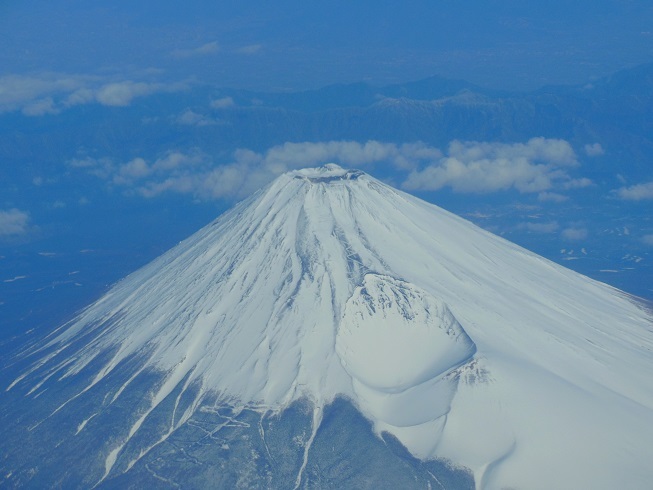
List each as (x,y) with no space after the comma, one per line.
(333,331)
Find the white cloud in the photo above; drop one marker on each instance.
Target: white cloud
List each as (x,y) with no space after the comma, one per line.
(138,172)
(13,222)
(196,174)
(648,240)
(541,227)
(53,93)
(131,171)
(349,153)
(222,103)
(122,93)
(231,180)
(636,192)
(205,49)
(184,184)
(191,118)
(551,197)
(40,107)
(574,234)
(80,97)
(594,150)
(100,167)
(18,91)
(535,166)
(176,159)
(251,49)
(250,170)
(136,169)
(540,149)
(577,183)
(85,162)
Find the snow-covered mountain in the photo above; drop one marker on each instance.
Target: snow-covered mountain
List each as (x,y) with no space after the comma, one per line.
(325,291)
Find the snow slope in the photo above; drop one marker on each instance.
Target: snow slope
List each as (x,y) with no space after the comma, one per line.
(329,282)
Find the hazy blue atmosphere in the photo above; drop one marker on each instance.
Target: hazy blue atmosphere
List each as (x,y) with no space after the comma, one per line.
(126,127)
(298,45)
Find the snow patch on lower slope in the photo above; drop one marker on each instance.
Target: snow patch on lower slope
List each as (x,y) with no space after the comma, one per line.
(526,420)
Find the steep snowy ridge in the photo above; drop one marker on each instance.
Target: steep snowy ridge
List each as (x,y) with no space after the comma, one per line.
(385,316)
(328,282)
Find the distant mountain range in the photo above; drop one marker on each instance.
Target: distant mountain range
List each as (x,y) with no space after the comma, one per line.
(615,111)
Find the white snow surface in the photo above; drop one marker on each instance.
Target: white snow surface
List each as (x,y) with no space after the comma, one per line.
(460,343)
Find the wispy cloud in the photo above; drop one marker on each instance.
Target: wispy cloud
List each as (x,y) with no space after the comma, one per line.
(100,167)
(54,93)
(175,160)
(638,192)
(574,233)
(576,183)
(648,240)
(551,197)
(594,150)
(349,153)
(138,172)
(40,107)
(548,227)
(192,118)
(250,49)
(476,167)
(203,50)
(19,91)
(222,103)
(129,172)
(122,93)
(13,222)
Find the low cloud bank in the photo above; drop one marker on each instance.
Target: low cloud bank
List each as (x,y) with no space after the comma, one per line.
(196,173)
(537,166)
